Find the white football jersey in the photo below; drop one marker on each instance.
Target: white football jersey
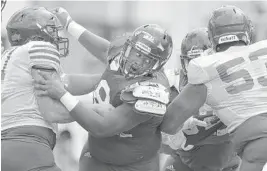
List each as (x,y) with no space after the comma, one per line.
(178,141)
(19,104)
(236,80)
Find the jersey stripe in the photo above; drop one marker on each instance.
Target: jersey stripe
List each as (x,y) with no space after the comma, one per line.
(44,55)
(44,46)
(44,58)
(49,51)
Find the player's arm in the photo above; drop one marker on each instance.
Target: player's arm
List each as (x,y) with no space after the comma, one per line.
(80,84)
(186,104)
(94,44)
(44,57)
(105,124)
(139,105)
(52,110)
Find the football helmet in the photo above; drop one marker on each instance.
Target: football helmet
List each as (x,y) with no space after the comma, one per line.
(229,24)
(145,51)
(193,45)
(36,23)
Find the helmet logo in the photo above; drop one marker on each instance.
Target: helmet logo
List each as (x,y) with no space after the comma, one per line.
(143,47)
(228,38)
(146,36)
(149,38)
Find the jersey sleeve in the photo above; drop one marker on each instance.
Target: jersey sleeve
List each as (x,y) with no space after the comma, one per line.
(44,55)
(196,73)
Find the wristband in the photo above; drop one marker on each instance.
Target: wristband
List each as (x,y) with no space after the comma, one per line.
(75,29)
(69,101)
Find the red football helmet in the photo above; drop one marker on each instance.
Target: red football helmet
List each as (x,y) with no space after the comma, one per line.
(145,51)
(36,23)
(229,24)
(193,45)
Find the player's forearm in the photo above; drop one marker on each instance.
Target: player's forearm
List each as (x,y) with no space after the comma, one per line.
(90,120)
(54,111)
(80,84)
(173,121)
(185,105)
(95,44)
(101,120)
(84,112)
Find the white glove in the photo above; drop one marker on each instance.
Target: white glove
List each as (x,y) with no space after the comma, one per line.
(63,16)
(190,126)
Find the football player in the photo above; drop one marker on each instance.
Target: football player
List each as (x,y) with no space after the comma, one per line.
(233,82)
(204,148)
(128,137)
(28,130)
(29,122)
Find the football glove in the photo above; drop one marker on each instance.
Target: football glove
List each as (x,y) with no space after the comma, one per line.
(63,16)
(190,126)
(198,131)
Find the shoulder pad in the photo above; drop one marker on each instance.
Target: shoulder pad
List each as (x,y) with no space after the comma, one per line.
(150,107)
(196,73)
(147,90)
(147,97)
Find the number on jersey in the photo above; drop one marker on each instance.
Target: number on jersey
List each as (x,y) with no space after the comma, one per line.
(243,73)
(101,94)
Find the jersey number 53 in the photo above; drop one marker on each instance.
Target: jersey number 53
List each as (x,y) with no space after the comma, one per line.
(243,73)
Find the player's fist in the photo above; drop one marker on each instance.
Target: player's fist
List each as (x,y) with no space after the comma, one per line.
(63,16)
(190,126)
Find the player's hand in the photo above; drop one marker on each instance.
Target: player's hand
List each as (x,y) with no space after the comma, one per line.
(63,16)
(48,86)
(191,124)
(103,109)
